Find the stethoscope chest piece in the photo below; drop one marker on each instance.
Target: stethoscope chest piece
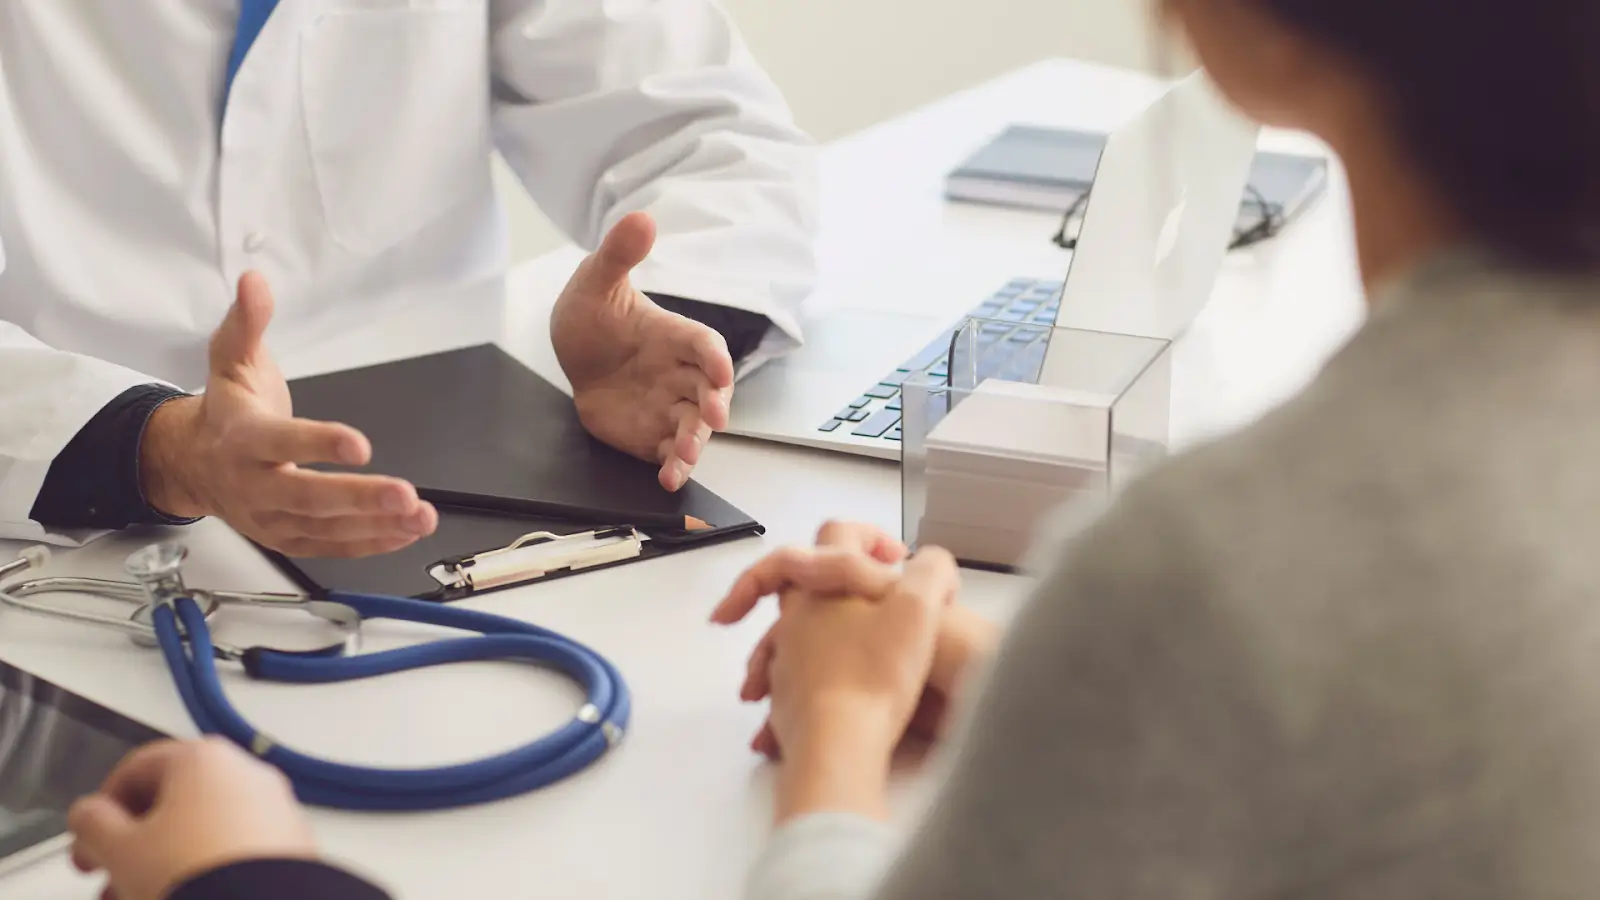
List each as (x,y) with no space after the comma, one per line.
(158,568)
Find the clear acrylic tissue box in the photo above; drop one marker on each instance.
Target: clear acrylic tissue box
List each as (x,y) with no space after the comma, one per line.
(1024,420)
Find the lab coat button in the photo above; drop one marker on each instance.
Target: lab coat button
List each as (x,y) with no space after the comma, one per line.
(254,241)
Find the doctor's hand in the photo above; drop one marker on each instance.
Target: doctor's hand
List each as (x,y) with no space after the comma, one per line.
(173,811)
(646,381)
(236,452)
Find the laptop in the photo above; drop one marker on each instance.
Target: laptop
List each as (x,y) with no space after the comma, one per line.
(1154,234)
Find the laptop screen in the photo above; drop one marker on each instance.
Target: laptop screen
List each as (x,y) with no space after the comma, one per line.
(1161,216)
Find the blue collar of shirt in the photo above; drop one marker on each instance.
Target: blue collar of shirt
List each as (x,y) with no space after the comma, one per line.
(253,16)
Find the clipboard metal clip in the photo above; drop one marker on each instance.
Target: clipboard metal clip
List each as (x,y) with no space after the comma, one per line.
(536,555)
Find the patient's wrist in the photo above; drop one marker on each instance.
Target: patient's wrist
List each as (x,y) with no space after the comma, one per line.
(966,641)
(839,763)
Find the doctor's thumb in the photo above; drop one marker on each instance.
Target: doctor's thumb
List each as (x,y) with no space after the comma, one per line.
(625,247)
(241,331)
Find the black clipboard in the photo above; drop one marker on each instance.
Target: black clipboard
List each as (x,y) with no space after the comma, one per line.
(490,443)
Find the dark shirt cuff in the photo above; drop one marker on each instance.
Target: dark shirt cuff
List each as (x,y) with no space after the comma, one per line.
(94,481)
(742,329)
(278,879)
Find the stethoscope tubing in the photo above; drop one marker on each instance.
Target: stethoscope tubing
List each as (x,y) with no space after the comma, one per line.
(190,656)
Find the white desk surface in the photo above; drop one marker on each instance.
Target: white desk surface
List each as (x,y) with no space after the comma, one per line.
(683,806)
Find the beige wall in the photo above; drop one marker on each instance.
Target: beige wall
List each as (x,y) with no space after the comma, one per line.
(887,56)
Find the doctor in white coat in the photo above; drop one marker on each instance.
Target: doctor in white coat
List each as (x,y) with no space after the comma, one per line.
(174,175)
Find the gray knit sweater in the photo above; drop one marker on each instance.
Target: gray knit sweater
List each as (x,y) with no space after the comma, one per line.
(1350,652)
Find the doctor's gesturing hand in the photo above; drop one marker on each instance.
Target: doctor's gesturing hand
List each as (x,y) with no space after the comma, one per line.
(236,451)
(646,381)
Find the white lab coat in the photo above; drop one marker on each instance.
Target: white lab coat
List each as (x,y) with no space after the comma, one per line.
(352,167)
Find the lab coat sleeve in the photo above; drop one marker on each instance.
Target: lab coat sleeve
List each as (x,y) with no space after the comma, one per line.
(605,108)
(46,396)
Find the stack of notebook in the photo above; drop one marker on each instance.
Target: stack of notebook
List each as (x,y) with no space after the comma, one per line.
(1005,457)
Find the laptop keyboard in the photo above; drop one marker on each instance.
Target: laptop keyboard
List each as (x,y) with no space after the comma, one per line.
(1011,348)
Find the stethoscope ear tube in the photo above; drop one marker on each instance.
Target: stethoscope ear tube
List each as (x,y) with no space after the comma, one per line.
(575,746)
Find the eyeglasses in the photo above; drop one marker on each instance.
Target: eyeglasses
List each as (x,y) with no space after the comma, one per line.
(1262,221)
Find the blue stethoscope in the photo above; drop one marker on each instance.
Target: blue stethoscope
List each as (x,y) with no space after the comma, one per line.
(174,618)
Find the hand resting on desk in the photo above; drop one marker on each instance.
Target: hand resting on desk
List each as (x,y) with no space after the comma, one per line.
(862,656)
(202,820)
(862,649)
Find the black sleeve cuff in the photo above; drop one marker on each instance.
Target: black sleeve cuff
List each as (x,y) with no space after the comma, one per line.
(94,481)
(277,879)
(742,329)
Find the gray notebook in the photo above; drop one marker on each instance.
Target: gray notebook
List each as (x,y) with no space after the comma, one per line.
(1050,168)
(1034,168)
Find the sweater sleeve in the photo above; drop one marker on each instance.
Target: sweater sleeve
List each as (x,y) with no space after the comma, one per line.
(825,856)
(1116,749)
(275,879)
(1122,746)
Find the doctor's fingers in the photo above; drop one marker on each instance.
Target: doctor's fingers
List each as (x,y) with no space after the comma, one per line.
(623,248)
(825,570)
(274,439)
(679,451)
(315,548)
(324,494)
(702,348)
(690,433)
(350,529)
(687,383)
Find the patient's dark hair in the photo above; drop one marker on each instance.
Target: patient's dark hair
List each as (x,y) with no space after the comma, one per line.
(1498,101)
